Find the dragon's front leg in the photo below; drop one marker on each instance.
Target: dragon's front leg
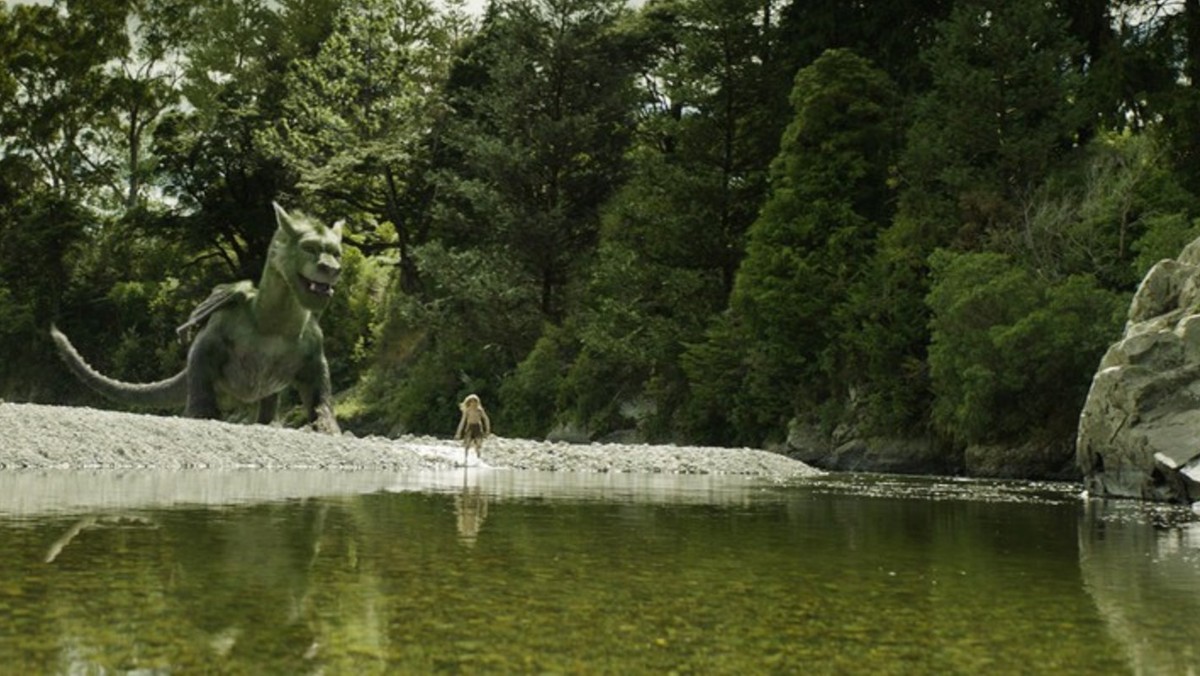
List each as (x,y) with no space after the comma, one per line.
(318,404)
(322,419)
(316,393)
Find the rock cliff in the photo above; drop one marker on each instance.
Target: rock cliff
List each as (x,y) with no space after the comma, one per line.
(1139,432)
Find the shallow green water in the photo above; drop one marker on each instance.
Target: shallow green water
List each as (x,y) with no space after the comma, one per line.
(511,572)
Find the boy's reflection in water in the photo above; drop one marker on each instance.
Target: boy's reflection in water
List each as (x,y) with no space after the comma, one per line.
(470,510)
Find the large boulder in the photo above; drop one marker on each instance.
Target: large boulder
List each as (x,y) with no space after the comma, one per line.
(1139,433)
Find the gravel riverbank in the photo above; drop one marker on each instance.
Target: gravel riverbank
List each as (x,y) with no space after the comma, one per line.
(53,437)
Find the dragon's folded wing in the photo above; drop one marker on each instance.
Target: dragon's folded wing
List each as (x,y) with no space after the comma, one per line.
(223,295)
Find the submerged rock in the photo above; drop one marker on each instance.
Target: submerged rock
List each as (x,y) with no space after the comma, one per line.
(1139,432)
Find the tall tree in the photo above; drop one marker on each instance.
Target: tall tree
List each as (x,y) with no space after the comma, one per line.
(1101,61)
(543,102)
(357,116)
(212,162)
(56,57)
(715,111)
(1001,114)
(829,198)
(672,235)
(889,33)
(52,90)
(1167,37)
(142,88)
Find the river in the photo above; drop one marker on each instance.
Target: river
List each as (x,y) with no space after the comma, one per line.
(503,571)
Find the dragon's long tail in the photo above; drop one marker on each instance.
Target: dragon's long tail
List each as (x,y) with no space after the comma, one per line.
(164,393)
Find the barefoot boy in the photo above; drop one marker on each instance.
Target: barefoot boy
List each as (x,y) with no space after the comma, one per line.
(474,425)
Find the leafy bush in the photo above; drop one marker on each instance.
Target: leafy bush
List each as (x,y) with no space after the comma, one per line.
(1012,355)
(1165,237)
(529,394)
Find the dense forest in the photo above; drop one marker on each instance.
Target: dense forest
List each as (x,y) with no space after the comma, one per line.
(701,221)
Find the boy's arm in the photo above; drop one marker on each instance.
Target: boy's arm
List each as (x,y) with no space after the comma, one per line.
(461,423)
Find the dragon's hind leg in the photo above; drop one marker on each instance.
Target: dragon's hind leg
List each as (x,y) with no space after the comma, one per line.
(267,407)
(204,363)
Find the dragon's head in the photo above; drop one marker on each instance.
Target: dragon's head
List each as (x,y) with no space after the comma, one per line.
(308,254)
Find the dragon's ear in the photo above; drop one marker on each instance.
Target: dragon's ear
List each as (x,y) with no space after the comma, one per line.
(284,220)
(338,228)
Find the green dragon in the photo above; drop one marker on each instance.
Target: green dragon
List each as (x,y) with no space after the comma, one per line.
(252,343)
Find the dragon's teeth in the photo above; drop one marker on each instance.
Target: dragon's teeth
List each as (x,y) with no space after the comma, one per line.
(322,289)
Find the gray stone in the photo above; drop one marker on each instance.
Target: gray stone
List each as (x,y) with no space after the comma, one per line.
(846,450)
(1139,432)
(569,433)
(892,455)
(807,443)
(1030,460)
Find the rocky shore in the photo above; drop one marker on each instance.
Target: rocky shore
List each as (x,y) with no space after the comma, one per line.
(52,437)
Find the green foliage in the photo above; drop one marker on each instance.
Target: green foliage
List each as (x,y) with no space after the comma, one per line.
(1011,356)
(999,116)
(213,164)
(151,302)
(633,319)
(883,349)
(715,370)
(715,102)
(37,230)
(349,320)
(1000,113)
(530,393)
(664,212)
(890,35)
(539,134)
(471,327)
(1165,237)
(55,74)
(829,197)
(123,319)
(1089,216)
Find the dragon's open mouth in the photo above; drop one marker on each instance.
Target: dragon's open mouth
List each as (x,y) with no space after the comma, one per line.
(317,288)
